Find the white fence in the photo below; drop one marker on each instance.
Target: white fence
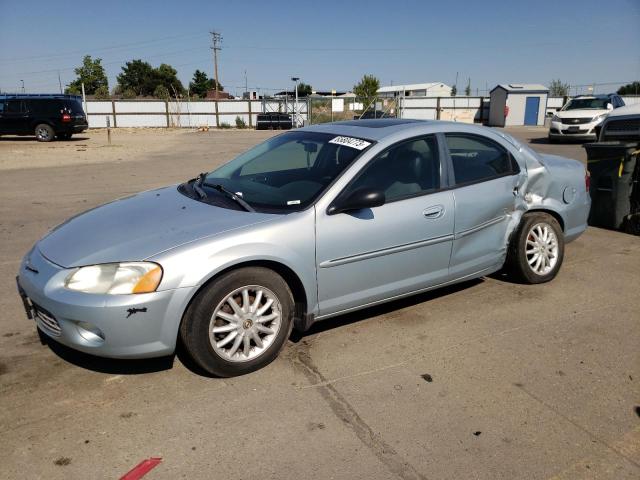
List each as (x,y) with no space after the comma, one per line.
(466,109)
(158,113)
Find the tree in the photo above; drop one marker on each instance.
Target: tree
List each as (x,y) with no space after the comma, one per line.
(630,89)
(558,89)
(161,92)
(167,76)
(102,93)
(467,89)
(91,73)
(454,91)
(143,79)
(304,89)
(201,84)
(367,90)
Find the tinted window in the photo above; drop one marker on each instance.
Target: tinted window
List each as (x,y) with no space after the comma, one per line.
(477,158)
(14,106)
(408,169)
(44,107)
(74,106)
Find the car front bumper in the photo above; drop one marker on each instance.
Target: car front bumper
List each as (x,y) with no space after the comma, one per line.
(117,326)
(558,130)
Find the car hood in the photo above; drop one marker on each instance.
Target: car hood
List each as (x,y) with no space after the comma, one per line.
(138,227)
(579,113)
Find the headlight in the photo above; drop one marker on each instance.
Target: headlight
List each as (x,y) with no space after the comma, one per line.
(556,118)
(599,118)
(116,278)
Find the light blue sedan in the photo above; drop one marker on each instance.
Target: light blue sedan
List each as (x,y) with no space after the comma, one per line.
(308,225)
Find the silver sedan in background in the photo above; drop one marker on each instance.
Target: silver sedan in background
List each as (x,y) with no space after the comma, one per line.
(308,225)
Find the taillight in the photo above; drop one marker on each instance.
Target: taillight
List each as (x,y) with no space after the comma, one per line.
(587,180)
(66,117)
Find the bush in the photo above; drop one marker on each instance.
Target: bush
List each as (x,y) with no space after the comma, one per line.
(224,125)
(102,93)
(129,93)
(240,123)
(161,92)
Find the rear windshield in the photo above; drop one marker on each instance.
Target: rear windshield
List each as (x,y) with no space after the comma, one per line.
(75,106)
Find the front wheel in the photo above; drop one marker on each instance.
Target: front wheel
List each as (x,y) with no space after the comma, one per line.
(239,322)
(537,249)
(44,133)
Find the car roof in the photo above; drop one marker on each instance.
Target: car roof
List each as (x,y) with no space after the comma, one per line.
(379,129)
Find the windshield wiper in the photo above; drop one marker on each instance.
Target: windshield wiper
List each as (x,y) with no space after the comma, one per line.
(229,194)
(197,186)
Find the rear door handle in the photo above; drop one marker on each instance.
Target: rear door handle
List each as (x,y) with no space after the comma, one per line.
(433,212)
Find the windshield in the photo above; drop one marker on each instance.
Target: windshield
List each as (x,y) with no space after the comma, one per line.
(587,104)
(287,172)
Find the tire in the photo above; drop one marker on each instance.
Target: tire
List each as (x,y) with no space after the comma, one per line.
(44,133)
(64,136)
(213,351)
(524,250)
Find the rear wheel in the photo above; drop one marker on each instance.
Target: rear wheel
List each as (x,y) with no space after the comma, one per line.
(44,133)
(537,249)
(239,323)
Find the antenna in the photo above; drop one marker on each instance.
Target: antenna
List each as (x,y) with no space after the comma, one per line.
(216,40)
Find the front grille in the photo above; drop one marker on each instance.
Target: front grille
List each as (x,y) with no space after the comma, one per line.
(47,321)
(628,125)
(574,132)
(575,121)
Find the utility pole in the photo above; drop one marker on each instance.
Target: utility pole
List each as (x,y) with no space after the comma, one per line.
(59,81)
(216,40)
(245,85)
(22,85)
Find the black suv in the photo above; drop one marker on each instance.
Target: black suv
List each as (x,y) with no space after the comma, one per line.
(45,116)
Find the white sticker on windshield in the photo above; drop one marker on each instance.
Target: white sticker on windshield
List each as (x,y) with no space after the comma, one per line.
(356,143)
(293,202)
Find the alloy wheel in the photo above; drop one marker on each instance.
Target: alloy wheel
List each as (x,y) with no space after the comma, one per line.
(541,248)
(245,323)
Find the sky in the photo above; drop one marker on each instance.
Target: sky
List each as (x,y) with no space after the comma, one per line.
(329,44)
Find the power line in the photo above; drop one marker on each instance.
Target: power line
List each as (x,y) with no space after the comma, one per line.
(112,47)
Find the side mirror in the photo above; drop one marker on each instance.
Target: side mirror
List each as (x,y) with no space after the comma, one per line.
(358,200)
(609,106)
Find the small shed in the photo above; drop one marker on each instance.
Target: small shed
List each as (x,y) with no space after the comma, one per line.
(518,104)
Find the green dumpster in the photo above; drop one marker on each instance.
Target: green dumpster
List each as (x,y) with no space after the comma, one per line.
(615,194)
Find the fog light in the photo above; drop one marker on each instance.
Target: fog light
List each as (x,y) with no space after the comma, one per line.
(90,332)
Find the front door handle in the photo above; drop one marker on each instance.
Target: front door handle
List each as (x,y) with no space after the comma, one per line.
(433,212)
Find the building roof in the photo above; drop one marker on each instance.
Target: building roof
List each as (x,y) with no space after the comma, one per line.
(412,86)
(522,87)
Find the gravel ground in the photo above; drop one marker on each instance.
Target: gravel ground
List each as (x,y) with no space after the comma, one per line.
(484,380)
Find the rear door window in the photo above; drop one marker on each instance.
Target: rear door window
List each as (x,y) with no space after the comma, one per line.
(15,106)
(477,159)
